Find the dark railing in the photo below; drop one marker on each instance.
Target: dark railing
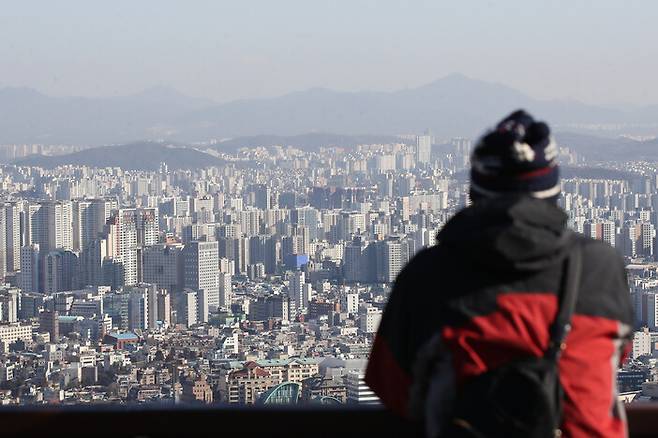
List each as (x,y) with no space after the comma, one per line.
(145,421)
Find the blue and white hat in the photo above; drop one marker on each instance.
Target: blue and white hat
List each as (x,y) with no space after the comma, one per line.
(519,156)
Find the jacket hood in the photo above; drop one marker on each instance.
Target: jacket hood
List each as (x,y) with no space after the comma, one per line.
(520,233)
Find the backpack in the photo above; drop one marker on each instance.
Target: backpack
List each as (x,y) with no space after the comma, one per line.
(522,398)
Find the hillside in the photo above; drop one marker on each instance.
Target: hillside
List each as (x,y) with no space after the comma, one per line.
(134,156)
(609,149)
(27,116)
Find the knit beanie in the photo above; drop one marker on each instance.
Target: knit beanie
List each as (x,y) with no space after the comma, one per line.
(518,156)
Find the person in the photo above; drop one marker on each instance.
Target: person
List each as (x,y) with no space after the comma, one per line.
(486,294)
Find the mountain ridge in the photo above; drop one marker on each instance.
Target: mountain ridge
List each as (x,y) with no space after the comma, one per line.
(455,105)
(132,156)
(148,155)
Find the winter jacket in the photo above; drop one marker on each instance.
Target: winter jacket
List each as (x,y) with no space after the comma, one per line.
(487,294)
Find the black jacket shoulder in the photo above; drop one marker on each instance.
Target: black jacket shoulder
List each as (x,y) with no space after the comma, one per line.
(434,275)
(604,288)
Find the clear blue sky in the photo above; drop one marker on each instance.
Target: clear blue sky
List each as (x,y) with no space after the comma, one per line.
(596,51)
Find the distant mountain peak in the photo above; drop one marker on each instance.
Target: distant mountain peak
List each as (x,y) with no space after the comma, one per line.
(454,105)
(456,76)
(461,81)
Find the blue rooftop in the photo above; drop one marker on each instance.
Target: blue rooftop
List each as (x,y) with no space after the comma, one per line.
(127,335)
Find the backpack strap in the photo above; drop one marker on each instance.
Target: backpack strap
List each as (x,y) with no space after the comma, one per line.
(568,296)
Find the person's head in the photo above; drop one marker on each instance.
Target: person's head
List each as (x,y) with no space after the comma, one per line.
(517,157)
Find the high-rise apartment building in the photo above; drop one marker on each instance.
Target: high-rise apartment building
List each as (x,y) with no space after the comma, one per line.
(50,225)
(126,230)
(164,307)
(10,238)
(309,217)
(61,271)
(423,149)
(201,269)
(358,263)
(392,255)
(138,307)
(262,197)
(225,290)
(296,284)
(89,219)
(29,279)
(3,245)
(187,308)
(250,222)
(148,226)
(237,250)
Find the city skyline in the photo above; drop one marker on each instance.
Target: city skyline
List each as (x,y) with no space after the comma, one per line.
(212,203)
(227,283)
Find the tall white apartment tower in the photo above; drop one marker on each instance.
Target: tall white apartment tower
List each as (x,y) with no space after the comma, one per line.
(148,227)
(50,225)
(34,227)
(609,231)
(189,308)
(60,225)
(89,219)
(201,269)
(10,215)
(423,149)
(3,245)
(296,288)
(225,290)
(392,255)
(121,235)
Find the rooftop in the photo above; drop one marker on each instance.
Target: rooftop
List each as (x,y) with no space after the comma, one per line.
(124,336)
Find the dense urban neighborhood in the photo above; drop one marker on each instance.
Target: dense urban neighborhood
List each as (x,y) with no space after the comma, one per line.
(260,280)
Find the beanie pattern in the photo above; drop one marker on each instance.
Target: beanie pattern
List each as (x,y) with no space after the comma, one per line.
(519,156)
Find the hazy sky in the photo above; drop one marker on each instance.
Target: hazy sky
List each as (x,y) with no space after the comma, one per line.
(596,51)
